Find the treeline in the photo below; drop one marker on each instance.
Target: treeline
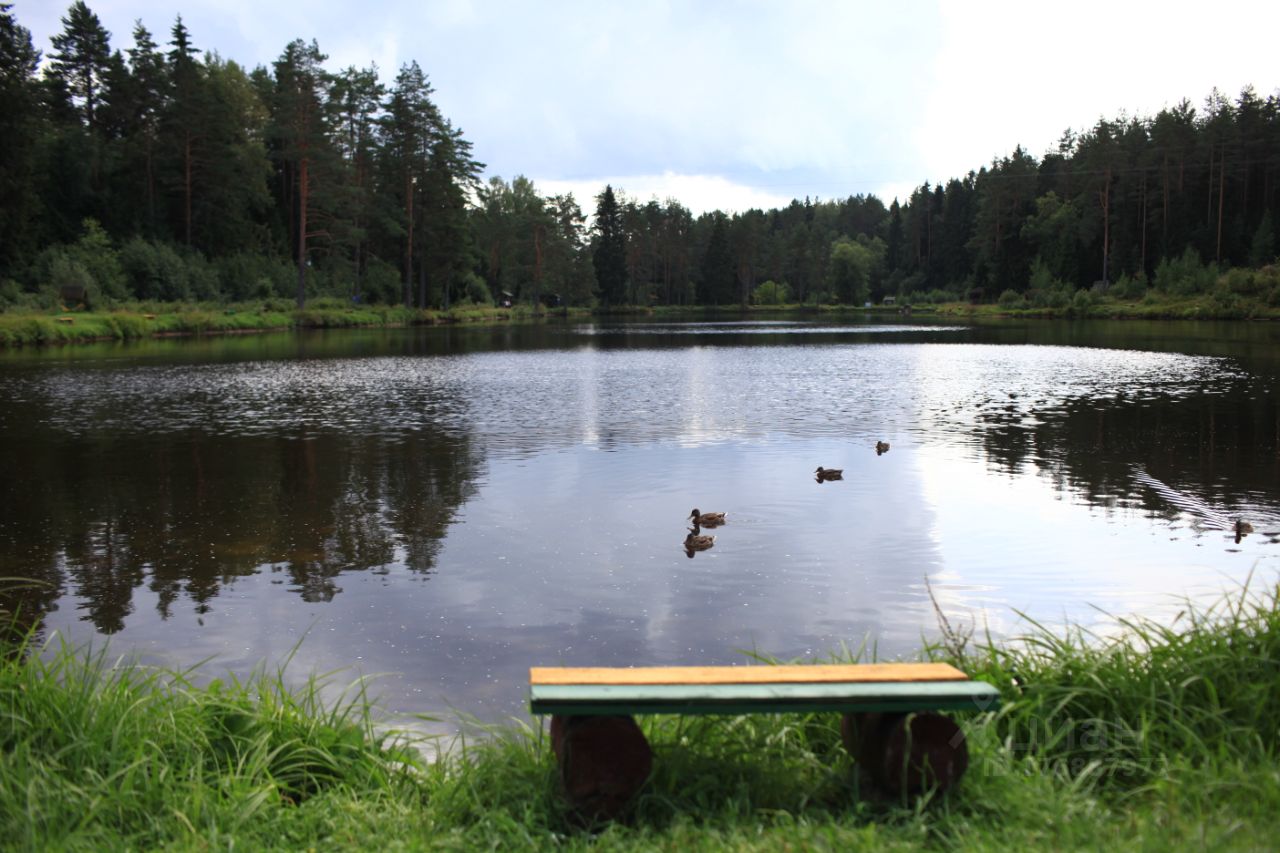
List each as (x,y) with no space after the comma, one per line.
(165,173)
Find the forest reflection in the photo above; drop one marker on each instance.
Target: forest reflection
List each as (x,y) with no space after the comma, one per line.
(1224,448)
(187,515)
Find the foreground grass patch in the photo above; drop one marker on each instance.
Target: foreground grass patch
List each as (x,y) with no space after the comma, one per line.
(1165,737)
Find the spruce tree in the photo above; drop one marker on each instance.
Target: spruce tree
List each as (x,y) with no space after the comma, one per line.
(610,258)
(19,117)
(299,125)
(81,55)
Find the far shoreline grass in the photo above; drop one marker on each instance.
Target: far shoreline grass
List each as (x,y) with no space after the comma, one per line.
(139,321)
(168,320)
(1167,737)
(28,328)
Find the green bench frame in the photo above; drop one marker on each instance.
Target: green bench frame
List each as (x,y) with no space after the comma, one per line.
(757,690)
(889,720)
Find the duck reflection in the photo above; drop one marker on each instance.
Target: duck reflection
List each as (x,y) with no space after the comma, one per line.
(697,541)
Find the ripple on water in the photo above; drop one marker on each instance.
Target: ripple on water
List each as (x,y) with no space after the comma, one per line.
(515,400)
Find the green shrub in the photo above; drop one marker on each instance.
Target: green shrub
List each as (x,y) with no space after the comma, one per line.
(155,271)
(329,303)
(1245,282)
(932,297)
(771,293)
(1262,249)
(10,293)
(141,269)
(1185,275)
(100,260)
(1011,299)
(1081,302)
(381,285)
(66,271)
(202,278)
(246,275)
(477,292)
(1129,287)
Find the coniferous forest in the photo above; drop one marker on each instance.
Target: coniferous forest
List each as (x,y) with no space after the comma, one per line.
(158,170)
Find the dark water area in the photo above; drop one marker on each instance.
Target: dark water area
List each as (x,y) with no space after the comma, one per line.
(444,507)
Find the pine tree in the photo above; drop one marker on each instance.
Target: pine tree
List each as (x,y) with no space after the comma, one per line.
(148,89)
(81,53)
(610,257)
(411,128)
(452,174)
(19,120)
(299,124)
(357,101)
(180,124)
(717,265)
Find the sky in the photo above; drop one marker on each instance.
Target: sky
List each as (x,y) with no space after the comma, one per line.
(732,105)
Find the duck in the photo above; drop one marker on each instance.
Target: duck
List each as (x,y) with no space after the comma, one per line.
(707,519)
(695,541)
(824,474)
(882,447)
(1242,528)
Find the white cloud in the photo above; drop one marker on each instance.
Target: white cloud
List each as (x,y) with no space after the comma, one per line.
(699,193)
(1009,73)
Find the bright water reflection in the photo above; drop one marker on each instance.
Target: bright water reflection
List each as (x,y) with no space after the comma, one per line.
(451,507)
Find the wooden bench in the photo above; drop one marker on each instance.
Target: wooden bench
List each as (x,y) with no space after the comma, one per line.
(890,721)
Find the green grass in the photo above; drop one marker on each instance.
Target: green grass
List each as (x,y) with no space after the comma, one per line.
(1163,737)
(1153,306)
(145,320)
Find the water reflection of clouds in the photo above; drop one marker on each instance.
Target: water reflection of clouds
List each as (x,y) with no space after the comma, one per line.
(761,327)
(1015,543)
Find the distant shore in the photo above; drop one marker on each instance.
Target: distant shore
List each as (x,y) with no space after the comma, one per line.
(25,327)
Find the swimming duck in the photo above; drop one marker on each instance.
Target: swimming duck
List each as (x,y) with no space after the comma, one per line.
(824,474)
(1242,528)
(882,447)
(697,542)
(707,519)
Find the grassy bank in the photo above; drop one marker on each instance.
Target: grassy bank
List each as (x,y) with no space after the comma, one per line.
(1152,307)
(134,322)
(1166,737)
(142,320)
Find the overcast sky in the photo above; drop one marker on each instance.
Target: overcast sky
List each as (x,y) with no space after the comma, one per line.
(733,105)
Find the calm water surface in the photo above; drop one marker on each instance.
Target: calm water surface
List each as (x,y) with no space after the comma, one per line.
(446,507)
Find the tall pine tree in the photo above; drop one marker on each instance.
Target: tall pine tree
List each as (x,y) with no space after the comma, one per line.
(19,121)
(300,127)
(610,257)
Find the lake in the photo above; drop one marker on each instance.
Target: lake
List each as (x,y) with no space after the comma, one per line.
(444,507)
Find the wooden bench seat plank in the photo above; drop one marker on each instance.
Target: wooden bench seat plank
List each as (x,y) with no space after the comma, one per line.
(760,698)
(701,675)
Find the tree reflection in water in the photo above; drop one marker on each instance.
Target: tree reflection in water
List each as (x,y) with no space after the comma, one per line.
(186,515)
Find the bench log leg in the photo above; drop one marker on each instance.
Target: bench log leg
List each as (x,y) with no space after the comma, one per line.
(603,761)
(907,753)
